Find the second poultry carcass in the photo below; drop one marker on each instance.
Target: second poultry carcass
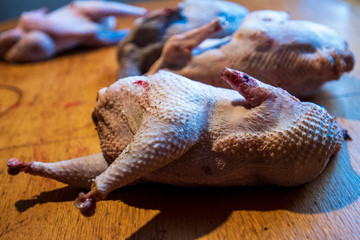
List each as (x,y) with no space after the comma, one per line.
(41,34)
(298,56)
(144,44)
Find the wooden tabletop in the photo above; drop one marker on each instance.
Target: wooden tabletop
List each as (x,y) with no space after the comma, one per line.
(45,115)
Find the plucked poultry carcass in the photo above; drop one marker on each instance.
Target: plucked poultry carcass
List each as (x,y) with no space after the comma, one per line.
(168,129)
(143,46)
(41,35)
(298,56)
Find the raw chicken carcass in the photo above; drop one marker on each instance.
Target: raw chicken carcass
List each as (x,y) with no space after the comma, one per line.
(143,46)
(298,56)
(166,128)
(40,35)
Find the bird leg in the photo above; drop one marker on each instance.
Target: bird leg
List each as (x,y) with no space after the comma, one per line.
(154,146)
(76,172)
(8,39)
(254,91)
(177,51)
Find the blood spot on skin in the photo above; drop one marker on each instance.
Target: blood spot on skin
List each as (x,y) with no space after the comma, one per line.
(141,83)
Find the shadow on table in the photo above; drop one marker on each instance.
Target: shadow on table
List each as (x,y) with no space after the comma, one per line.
(206,208)
(341,98)
(80,50)
(58,195)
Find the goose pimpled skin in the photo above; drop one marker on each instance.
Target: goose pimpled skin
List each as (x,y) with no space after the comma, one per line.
(41,35)
(298,56)
(168,129)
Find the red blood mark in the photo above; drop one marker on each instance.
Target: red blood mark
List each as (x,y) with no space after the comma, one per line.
(146,86)
(73,104)
(141,83)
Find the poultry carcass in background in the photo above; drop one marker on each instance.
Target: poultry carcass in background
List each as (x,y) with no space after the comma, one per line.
(40,35)
(166,128)
(298,56)
(143,46)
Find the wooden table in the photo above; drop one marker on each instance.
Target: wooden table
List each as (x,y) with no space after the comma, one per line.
(45,115)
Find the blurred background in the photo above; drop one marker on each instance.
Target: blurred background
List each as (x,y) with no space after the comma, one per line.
(12,9)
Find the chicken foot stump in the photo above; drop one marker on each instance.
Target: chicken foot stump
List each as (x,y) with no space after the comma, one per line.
(298,56)
(168,129)
(41,35)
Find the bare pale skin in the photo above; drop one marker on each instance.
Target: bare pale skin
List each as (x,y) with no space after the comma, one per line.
(168,129)
(298,56)
(41,34)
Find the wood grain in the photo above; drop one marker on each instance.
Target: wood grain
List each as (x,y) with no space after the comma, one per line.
(45,115)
